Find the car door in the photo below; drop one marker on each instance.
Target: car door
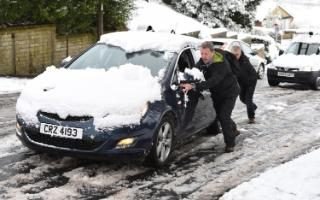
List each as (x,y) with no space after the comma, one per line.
(186,104)
(205,113)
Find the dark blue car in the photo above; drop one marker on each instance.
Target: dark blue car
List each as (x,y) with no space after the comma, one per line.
(164,123)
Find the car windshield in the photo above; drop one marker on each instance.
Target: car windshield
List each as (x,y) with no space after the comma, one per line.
(102,56)
(299,48)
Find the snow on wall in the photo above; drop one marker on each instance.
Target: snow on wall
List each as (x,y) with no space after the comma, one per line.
(114,98)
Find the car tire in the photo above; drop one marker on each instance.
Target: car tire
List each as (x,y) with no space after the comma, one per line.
(162,143)
(316,84)
(273,83)
(261,71)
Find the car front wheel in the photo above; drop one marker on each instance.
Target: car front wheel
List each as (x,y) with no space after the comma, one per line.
(316,84)
(273,83)
(162,143)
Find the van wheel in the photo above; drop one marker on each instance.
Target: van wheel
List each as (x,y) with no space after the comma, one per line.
(316,84)
(273,83)
(162,143)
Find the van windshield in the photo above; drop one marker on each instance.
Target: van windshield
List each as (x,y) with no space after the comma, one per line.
(299,48)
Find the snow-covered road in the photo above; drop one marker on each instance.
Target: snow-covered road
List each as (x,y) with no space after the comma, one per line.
(287,126)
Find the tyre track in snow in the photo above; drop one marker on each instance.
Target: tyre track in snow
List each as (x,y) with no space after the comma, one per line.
(199,169)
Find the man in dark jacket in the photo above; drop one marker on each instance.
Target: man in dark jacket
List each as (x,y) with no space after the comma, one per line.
(248,81)
(224,89)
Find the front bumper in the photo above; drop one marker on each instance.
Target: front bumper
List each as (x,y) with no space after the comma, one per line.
(301,77)
(94,144)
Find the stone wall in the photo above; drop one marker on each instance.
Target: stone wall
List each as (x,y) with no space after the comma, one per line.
(71,45)
(28,50)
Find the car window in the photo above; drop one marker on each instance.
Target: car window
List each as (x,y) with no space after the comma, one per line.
(313,49)
(303,49)
(218,45)
(309,49)
(185,60)
(103,56)
(293,48)
(246,49)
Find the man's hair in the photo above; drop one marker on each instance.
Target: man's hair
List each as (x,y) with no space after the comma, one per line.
(207,45)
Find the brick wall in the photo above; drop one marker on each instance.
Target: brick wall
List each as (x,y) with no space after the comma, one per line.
(27,51)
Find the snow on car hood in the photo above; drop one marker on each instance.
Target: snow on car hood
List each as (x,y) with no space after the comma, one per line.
(114,98)
(302,62)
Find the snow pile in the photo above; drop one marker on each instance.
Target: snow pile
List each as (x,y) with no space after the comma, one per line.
(115,97)
(134,41)
(164,19)
(161,18)
(196,73)
(12,85)
(67,59)
(295,180)
(302,62)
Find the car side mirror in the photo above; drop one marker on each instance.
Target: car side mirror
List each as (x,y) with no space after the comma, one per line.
(281,52)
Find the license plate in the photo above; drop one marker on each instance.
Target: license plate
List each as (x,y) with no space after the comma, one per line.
(286,74)
(61,131)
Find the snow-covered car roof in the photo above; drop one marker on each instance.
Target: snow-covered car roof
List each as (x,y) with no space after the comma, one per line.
(224,40)
(133,41)
(315,39)
(245,36)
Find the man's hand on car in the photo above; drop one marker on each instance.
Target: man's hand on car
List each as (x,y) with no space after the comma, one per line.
(186,87)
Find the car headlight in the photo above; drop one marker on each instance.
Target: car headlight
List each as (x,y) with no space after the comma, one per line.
(126,143)
(19,129)
(271,66)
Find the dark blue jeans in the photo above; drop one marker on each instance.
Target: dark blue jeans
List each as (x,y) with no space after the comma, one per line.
(246,96)
(224,108)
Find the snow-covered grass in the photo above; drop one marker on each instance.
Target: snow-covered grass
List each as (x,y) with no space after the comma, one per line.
(114,98)
(295,180)
(12,85)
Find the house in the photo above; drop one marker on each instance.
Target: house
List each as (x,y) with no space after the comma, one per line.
(277,17)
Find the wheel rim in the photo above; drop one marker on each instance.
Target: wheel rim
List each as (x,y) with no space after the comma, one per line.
(318,83)
(164,142)
(261,72)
